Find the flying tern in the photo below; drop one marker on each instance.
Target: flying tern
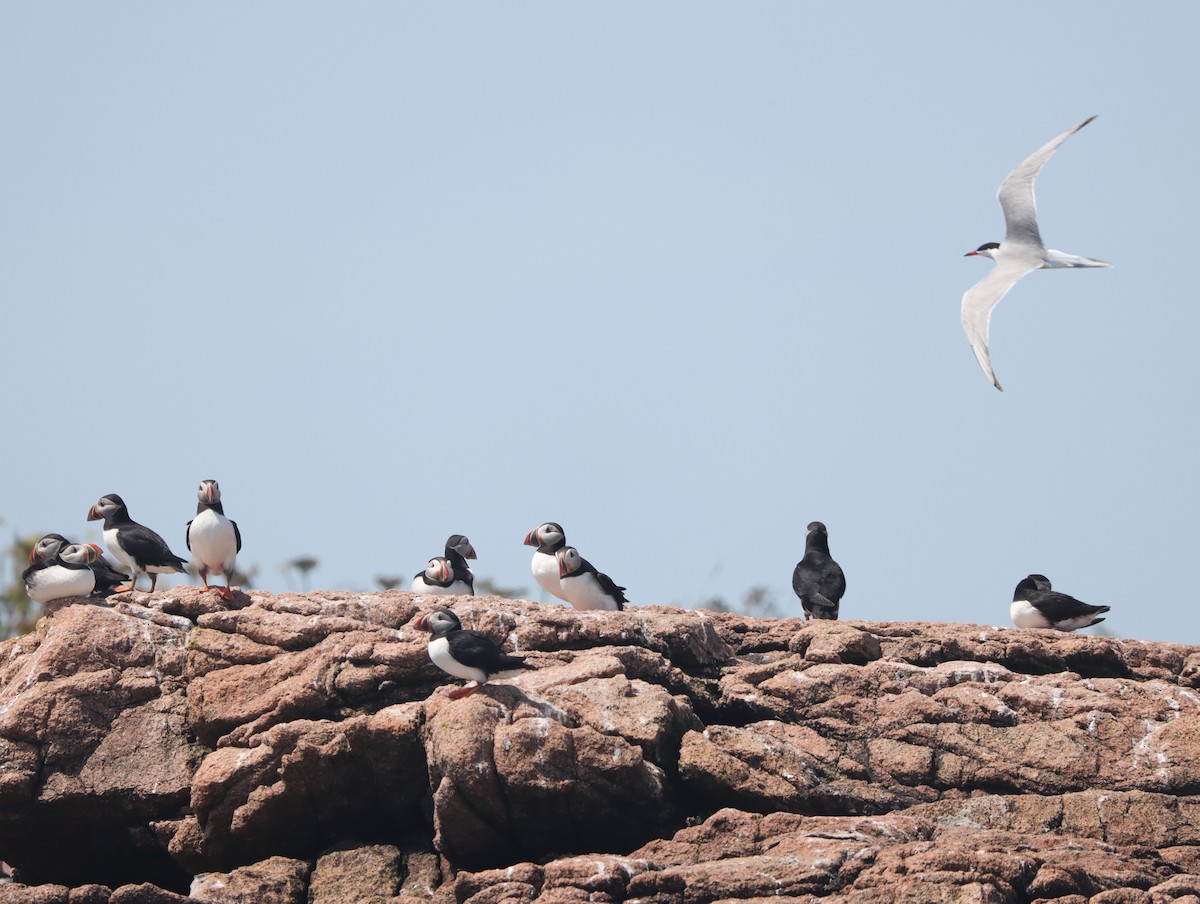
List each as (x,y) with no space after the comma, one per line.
(1021,251)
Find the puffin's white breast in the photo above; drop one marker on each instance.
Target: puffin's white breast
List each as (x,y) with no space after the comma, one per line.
(583,591)
(110,541)
(457,588)
(57,582)
(545,570)
(439,654)
(214,544)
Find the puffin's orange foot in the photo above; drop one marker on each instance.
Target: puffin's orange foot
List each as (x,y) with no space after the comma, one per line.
(122,589)
(226,593)
(460,692)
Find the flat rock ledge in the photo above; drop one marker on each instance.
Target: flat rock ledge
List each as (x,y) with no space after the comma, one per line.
(301,748)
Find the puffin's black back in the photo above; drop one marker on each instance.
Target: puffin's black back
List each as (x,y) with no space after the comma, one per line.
(458,563)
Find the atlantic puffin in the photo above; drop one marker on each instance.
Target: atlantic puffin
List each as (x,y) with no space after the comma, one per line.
(438,579)
(144,551)
(549,538)
(458,550)
(44,551)
(817,579)
(213,539)
(68,573)
(470,655)
(1035,605)
(584,586)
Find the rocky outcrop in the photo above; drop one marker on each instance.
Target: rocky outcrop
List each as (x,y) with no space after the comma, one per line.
(301,748)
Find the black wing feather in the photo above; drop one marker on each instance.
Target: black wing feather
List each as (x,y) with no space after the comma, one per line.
(609,586)
(1061,607)
(146,547)
(475,649)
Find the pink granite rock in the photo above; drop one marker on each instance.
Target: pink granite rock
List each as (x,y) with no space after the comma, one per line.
(303,748)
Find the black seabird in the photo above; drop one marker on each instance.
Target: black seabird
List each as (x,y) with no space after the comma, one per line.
(44,551)
(549,538)
(68,573)
(818,580)
(213,539)
(584,586)
(1035,605)
(465,654)
(144,551)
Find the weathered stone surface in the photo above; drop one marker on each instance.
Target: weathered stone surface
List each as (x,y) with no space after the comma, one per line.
(276,880)
(301,748)
(360,875)
(39,894)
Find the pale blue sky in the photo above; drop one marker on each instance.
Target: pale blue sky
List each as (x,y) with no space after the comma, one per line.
(680,276)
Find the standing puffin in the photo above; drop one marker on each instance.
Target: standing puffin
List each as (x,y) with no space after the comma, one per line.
(213,539)
(68,573)
(438,579)
(144,551)
(818,580)
(465,654)
(549,538)
(44,551)
(584,586)
(458,550)
(1035,605)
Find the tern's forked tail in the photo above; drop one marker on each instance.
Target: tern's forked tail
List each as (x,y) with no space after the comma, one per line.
(1059,259)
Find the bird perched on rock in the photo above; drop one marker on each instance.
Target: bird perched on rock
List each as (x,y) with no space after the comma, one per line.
(438,579)
(213,539)
(140,548)
(458,550)
(549,538)
(67,573)
(44,551)
(817,579)
(465,654)
(1035,605)
(584,587)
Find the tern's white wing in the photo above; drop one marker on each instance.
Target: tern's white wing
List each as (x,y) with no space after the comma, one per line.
(1016,198)
(978,301)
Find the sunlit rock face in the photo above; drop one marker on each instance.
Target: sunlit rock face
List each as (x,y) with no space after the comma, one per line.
(299,748)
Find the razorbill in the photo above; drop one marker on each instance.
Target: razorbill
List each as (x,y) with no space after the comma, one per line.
(1035,605)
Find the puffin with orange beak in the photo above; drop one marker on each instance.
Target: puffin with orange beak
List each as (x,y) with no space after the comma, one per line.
(549,538)
(466,654)
(438,579)
(584,586)
(138,547)
(44,551)
(213,539)
(68,574)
